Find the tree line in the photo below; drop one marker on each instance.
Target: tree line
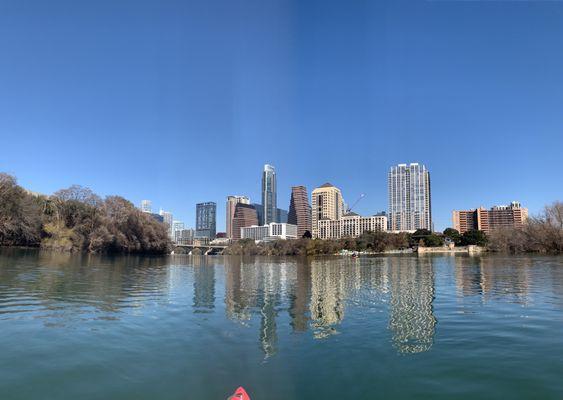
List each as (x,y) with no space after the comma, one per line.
(76,219)
(540,234)
(375,242)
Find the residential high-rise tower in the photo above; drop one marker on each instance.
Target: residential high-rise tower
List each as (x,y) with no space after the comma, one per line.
(269,194)
(409,198)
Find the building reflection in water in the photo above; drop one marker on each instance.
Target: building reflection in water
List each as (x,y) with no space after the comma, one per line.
(328,283)
(237,304)
(299,292)
(268,296)
(411,317)
(204,285)
(468,276)
(253,286)
(316,292)
(489,277)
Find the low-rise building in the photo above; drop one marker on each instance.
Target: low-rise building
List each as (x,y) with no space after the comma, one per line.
(255,232)
(350,225)
(271,231)
(185,236)
(224,241)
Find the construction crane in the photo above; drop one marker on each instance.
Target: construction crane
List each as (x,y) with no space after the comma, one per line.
(356,202)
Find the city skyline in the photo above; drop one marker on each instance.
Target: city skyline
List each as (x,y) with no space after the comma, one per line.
(146,204)
(130,103)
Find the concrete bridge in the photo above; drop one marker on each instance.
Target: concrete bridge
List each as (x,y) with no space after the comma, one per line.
(206,249)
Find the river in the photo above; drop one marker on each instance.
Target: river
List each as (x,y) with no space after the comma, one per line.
(196,327)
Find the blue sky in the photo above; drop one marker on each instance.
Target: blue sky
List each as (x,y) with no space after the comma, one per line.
(184,101)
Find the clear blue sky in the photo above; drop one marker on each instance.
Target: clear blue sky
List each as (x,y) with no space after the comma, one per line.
(184,101)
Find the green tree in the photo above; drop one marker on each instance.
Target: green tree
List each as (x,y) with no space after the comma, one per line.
(453,235)
(474,237)
(427,238)
(433,240)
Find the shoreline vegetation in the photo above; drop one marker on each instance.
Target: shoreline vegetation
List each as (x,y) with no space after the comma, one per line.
(77,220)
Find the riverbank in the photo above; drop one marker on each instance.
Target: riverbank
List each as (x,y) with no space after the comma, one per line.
(471,249)
(376,246)
(367,242)
(77,220)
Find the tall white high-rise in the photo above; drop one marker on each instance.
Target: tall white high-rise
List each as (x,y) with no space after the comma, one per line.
(409,198)
(177,227)
(146,206)
(232,202)
(167,219)
(269,194)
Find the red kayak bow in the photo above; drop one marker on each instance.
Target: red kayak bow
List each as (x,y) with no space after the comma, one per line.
(240,394)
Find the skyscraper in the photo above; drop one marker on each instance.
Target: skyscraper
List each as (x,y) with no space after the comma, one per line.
(281,216)
(260,211)
(206,223)
(232,201)
(146,206)
(299,210)
(167,218)
(245,215)
(327,203)
(269,194)
(409,198)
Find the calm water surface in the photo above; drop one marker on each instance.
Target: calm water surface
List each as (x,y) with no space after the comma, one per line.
(182,327)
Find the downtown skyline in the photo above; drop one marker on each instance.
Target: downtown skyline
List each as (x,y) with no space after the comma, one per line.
(364,207)
(181,104)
